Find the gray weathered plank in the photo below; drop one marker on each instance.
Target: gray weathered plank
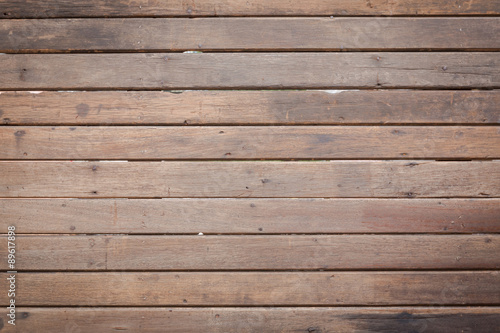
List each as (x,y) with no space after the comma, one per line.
(267,320)
(250,70)
(290,252)
(254,216)
(243,142)
(251,34)
(254,288)
(162,8)
(250,179)
(330,107)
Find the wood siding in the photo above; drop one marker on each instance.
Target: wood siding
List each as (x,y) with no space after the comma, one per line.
(251,165)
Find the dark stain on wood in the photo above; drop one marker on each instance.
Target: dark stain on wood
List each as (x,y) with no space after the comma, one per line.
(428,322)
(82,110)
(22,74)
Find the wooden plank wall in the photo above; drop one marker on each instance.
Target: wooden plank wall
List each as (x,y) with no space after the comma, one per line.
(251,165)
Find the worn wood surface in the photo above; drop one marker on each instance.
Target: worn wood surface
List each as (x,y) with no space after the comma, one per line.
(363,192)
(330,107)
(292,252)
(269,320)
(242,142)
(250,70)
(252,34)
(250,179)
(250,216)
(255,288)
(162,8)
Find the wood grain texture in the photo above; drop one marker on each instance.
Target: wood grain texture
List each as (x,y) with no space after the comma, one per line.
(292,252)
(154,189)
(162,8)
(251,34)
(250,179)
(255,288)
(243,142)
(250,70)
(250,107)
(269,320)
(250,216)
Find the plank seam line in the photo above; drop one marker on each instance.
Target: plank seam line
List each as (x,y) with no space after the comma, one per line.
(217,235)
(436,305)
(266,271)
(454,15)
(251,50)
(364,307)
(129,124)
(263,160)
(240,198)
(250,124)
(253,88)
(260,197)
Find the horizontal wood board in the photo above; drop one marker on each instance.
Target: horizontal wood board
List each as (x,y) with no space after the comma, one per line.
(123,8)
(285,70)
(250,34)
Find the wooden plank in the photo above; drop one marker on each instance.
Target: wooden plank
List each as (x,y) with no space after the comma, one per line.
(269,320)
(250,179)
(292,252)
(251,34)
(250,70)
(162,8)
(250,107)
(254,216)
(254,288)
(243,142)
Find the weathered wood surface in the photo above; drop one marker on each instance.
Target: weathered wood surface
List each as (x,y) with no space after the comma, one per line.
(145,211)
(162,8)
(250,70)
(251,34)
(329,107)
(243,142)
(254,288)
(292,252)
(250,216)
(268,320)
(250,179)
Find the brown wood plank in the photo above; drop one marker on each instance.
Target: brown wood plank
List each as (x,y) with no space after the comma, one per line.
(250,179)
(255,288)
(255,216)
(161,8)
(242,142)
(268,320)
(251,34)
(250,107)
(250,70)
(292,252)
